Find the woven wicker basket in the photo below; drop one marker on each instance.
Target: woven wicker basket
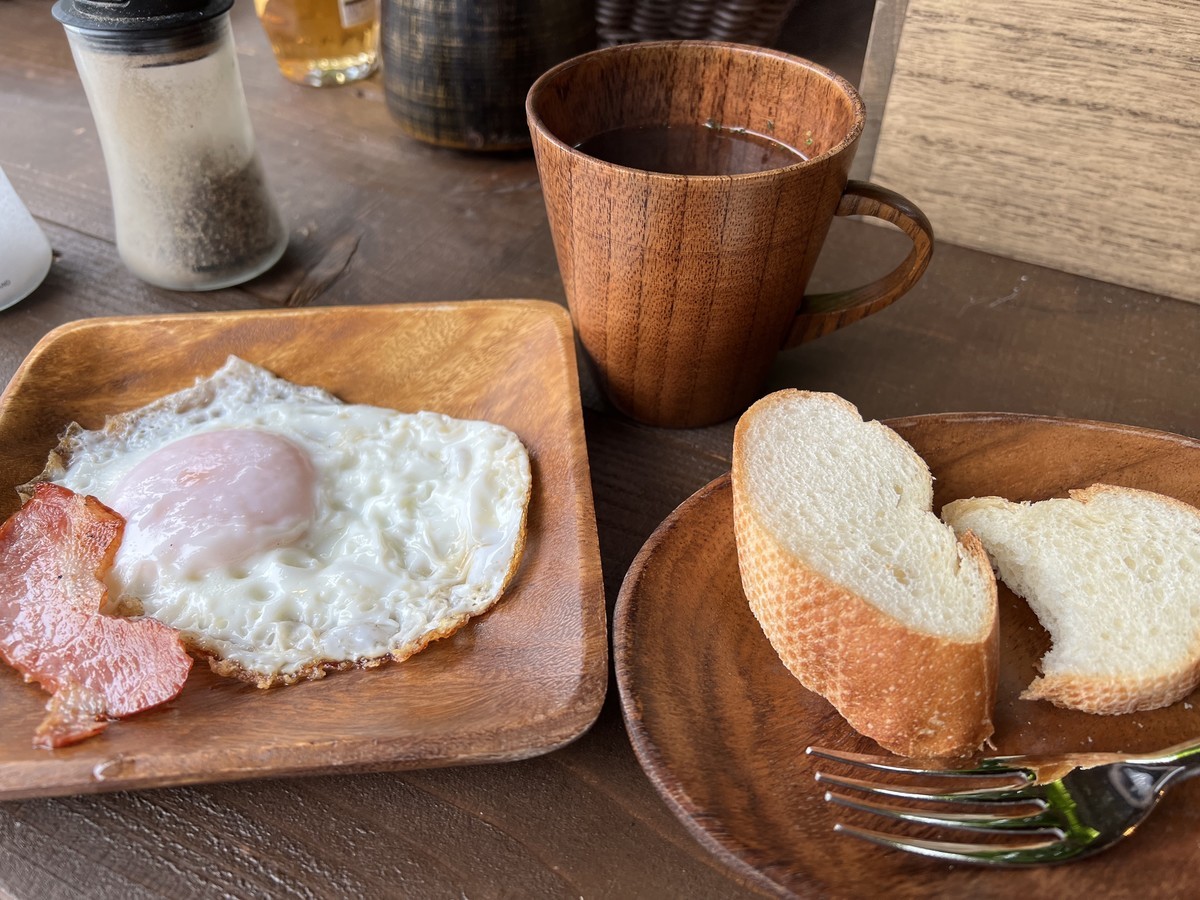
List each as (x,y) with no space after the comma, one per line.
(743,21)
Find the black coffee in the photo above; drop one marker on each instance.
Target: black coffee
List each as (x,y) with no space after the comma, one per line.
(691,150)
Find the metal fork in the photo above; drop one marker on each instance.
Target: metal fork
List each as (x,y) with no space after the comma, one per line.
(1062,808)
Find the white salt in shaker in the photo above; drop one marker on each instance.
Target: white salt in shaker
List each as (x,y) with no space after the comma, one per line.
(192,208)
(24,251)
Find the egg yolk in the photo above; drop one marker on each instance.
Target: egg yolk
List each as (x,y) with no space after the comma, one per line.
(211,500)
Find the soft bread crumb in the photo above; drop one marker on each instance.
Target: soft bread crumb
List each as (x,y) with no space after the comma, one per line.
(854,502)
(867,598)
(1114,576)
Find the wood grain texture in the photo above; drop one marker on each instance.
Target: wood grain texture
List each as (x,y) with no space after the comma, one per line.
(1063,134)
(683,288)
(823,314)
(526,678)
(721,726)
(979,331)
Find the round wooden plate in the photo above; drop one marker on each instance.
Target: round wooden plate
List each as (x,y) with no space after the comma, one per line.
(720,726)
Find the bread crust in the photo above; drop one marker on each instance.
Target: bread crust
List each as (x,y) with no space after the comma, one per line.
(914,693)
(1114,696)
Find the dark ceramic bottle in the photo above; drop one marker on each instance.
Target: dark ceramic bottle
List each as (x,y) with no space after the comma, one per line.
(456,71)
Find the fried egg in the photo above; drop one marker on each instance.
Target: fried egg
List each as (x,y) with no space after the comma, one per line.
(284,532)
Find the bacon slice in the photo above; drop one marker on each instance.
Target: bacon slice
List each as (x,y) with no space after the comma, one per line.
(54,553)
(73,714)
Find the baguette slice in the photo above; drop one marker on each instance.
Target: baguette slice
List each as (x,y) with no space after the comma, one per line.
(865,595)
(1114,575)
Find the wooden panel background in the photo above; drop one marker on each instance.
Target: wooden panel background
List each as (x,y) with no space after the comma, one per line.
(1066,133)
(879,63)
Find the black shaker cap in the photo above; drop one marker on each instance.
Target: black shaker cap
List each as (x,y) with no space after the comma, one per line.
(136,15)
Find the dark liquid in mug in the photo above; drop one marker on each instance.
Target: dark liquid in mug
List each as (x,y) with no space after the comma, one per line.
(690,150)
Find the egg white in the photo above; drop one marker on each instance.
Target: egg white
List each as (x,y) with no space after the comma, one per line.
(419,524)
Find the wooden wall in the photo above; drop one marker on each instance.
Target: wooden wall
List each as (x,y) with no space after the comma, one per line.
(1064,133)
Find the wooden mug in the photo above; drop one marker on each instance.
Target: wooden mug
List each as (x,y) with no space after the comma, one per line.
(683,288)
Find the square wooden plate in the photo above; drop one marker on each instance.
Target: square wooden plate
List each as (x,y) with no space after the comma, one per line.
(523,679)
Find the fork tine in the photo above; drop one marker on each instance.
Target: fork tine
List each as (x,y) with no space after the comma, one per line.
(1024,854)
(998,765)
(1023,793)
(1036,823)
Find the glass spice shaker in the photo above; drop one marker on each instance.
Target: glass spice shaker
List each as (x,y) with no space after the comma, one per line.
(191,205)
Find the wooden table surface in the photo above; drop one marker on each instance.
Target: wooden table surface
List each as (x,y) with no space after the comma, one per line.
(378,218)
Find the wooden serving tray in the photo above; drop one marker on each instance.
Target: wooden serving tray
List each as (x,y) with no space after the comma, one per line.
(521,680)
(720,726)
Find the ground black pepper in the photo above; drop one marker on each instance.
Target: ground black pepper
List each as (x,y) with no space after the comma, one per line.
(223,221)
(191,205)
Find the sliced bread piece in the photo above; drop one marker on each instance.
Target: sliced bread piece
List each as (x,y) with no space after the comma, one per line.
(1114,575)
(867,598)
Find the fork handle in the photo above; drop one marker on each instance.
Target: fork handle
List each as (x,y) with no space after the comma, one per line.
(1186,756)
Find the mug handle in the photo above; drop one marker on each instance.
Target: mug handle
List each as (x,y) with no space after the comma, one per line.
(821,314)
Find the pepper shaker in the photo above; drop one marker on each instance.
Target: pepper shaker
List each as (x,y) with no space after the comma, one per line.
(191,205)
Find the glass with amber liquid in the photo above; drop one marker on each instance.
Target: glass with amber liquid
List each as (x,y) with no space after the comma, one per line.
(322,42)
